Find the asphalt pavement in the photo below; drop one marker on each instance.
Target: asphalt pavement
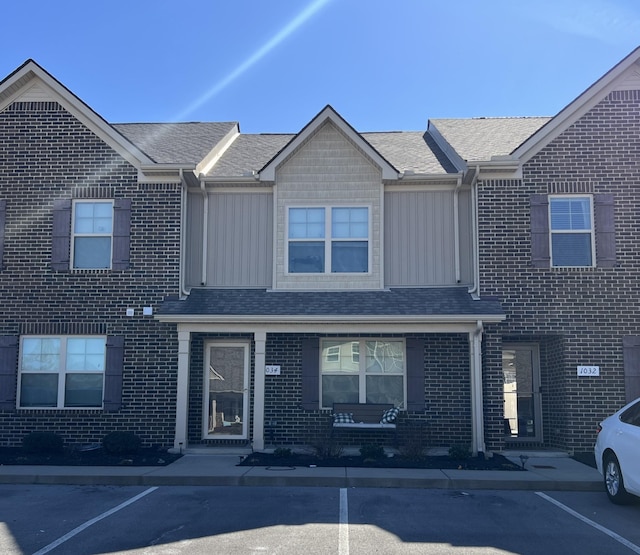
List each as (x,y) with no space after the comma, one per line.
(548,471)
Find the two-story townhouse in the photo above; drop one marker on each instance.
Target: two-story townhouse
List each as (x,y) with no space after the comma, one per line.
(480,275)
(89,244)
(558,245)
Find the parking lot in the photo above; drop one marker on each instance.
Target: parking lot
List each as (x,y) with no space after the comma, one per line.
(179,520)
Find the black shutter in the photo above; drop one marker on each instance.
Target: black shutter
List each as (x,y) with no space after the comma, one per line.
(540,257)
(603,208)
(121,233)
(8,371)
(113,374)
(310,374)
(3,214)
(415,375)
(631,350)
(61,235)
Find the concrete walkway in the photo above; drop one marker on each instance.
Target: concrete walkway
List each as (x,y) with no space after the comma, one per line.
(544,472)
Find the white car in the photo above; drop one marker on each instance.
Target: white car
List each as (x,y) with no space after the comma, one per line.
(617,453)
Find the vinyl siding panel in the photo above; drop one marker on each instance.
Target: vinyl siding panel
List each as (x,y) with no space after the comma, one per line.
(193,243)
(240,240)
(420,238)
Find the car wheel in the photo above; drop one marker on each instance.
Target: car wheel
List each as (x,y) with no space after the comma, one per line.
(613,481)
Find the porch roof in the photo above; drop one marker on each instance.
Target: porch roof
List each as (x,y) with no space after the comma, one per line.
(430,303)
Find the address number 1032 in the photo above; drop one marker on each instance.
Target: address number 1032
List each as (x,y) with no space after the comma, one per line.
(588,370)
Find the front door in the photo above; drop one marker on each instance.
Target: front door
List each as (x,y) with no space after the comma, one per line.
(521,372)
(226,407)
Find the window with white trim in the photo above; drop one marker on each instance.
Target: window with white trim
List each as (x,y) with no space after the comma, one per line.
(572,238)
(365,371)
(328,240)
(62,372)
(92,234)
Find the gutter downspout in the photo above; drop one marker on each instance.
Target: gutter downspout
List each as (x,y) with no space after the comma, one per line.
(477,401)
(205,232)
(475,290)
(456,230)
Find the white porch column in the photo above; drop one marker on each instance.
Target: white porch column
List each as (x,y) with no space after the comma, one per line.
(182,393)
(260,339)
(477,400)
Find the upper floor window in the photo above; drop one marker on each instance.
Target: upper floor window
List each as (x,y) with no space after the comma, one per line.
(92,234)
(62,372)
(328,240)
(572,237)
(362,371)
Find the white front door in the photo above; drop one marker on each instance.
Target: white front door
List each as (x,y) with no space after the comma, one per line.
(226,390)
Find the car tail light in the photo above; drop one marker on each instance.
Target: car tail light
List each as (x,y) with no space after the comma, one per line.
(598,428)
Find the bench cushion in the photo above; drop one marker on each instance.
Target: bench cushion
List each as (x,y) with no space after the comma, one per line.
(389,415)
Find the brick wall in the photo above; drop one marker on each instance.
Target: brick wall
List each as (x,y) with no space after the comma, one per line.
(45,155)
(578,316)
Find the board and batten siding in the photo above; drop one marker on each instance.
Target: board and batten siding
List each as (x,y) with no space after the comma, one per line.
(328,170)
(239,240)
(420,238)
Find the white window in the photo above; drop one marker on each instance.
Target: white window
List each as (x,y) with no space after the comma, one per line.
(328,240)
(572,238)
(366,371)
(62,372)
(92,234)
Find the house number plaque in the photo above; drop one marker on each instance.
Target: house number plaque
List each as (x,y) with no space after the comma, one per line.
(272,370)
(588,371)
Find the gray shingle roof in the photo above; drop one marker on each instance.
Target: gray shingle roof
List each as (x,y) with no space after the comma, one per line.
(175,143)
(481,138)
(248,153)
(445,301)
(405,150)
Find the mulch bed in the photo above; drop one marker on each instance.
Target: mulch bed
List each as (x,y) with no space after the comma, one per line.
(497,462)
(91,457)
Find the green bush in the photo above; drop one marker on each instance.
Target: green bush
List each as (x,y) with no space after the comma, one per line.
(459,451)
(370,451)
(282,452)
(43,442)
(121,443)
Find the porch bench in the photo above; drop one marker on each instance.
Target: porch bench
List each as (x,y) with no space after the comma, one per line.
(366,417)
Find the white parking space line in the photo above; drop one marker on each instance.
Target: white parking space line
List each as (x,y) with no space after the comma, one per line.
(343,526)
(610,533)
(91,522)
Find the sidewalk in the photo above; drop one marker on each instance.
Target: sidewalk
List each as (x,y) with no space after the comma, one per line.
(544,472)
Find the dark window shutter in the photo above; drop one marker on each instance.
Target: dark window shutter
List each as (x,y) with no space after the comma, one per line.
(310,374)
(61,235)
(3,214)
(603,208)
(8,371)
(113,374)
(121,233)
(540,257)
(631,350)
(415,375)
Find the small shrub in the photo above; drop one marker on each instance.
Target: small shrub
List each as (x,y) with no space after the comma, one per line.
(459,451)
(370,451)
(120,443)
(43,442)
(282,452)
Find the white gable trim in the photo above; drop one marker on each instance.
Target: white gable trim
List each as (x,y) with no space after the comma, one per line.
(268,172)
(618,78)
(31,79)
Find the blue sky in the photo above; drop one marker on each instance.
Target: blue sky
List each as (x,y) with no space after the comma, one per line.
(272,65)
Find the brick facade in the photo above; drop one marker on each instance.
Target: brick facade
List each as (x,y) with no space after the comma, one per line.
(577,316)
(45,155)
